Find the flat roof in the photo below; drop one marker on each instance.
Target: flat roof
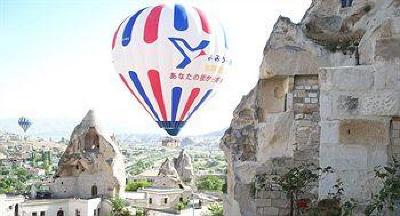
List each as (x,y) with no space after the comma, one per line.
(162,190)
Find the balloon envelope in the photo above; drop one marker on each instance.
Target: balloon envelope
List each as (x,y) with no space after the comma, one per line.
(24,123)
(171,58)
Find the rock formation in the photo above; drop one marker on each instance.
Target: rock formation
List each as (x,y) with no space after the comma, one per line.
(179,168)
(183,165)
(328,94)
(91,165)
(168,169)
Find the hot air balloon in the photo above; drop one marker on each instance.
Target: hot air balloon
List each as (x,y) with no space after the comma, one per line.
(171,58)
(24,123)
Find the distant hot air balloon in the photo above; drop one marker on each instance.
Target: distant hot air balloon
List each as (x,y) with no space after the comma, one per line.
(24,123)
(171,58)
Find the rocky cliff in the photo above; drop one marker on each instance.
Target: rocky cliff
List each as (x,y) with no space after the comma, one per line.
(328,94)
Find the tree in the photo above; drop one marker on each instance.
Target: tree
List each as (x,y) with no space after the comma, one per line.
(119,207)
(135,185)
(216,209)
(210,183)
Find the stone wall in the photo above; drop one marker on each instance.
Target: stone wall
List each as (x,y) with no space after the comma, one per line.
(314,105)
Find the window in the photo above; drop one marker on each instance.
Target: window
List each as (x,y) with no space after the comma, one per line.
(77,212)
(94,191)
(34,213)
(60,213)
(42,213)
(95,212)
(98,211)
(181,199)
(165,200)
(150,200)
(347,3)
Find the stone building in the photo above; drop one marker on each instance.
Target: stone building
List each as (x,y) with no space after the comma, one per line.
(170,142)
(91,166)
(328,94)
(168,187)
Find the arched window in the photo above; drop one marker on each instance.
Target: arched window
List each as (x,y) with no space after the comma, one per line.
(94,191)
(92,140)
(60,213)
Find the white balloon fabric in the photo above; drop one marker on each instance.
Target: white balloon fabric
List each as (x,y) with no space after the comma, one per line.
(171,58)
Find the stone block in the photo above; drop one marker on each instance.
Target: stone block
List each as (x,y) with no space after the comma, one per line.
(395,25)
(388,76)
(366,132)
(347,78)
(329,131)
(396,125)
(263,202)
(299,116)
(348,104)
(275,194)
(280,203)
(297,61)
(314,100)
(271,211)
(381,103)
(284,212)
(260,211)
(344,157)
(276,137)
(387,49)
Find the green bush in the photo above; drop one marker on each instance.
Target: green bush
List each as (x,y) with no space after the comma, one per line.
(216,209)
(140,212)
(210,183)
(180,205)
(119,207)
(135,185)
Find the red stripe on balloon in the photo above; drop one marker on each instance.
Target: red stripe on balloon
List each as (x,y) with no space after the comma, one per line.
(155,83)
(204,22)
(151,25)
(115,34)
(133,93)
(193,95)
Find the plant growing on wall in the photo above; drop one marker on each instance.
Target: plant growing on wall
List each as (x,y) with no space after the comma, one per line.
(386,198)
(294,183)
(334,205)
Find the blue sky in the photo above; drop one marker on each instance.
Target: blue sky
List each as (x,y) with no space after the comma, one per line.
(55,59)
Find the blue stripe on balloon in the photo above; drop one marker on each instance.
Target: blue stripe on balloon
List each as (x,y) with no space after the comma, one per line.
(226,42)
(142,93)
(127,34)
(204,98)
(176,96)
(181,22)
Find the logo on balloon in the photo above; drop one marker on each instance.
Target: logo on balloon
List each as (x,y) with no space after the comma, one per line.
(186,49)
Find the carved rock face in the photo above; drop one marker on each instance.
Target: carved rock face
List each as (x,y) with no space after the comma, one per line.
(90,154)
